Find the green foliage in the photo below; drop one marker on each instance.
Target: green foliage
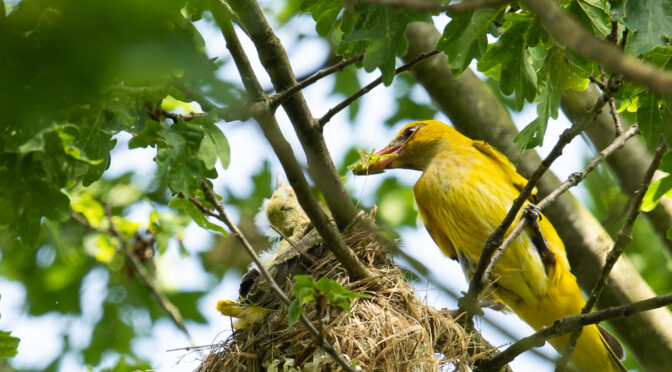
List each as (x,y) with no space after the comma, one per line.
(593,15)
(324,291)
(382,29)
(8,345)
(649,21)
(375,29)
(464,38)
(508,60)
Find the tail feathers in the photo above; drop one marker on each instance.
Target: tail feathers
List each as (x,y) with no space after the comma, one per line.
(616,351)
(229,308)
(247,314)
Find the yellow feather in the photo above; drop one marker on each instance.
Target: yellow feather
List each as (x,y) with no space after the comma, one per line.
(465,191)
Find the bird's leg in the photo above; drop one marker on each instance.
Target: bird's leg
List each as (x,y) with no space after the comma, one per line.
(492,304)
(532,214)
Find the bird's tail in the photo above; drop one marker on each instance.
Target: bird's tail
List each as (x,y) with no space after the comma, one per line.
(246,314)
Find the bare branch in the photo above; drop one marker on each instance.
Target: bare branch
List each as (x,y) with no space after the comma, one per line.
(450,9)
(569,323)
(330,235)
(566,30)
(277,99)
(321,122)
(624,237)
(222,216)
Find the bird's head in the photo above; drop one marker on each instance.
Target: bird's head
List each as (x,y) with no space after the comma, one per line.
(413,147)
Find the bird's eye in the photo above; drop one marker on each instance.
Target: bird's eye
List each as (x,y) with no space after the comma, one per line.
(409,131)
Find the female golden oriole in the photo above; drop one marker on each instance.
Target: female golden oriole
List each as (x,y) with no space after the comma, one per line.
(464,192)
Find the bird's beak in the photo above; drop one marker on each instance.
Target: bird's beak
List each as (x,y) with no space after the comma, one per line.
(379,161)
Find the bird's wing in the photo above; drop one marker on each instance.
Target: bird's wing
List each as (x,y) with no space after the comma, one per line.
(437,234)
(516,179)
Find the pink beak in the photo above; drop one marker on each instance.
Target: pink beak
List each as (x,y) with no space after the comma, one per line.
(384,163)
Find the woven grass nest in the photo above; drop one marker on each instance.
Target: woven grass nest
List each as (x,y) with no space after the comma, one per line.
(391,331)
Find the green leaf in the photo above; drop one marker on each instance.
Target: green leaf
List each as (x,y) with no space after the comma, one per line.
(465,38)
(508,60)
(649,21)
(660,56)
(550,92)
(337,294)
(8,345)
(666,163)
(324,12)
(148,136)
(593,14)
(669,233)
(178,161)
(214,146)
(649,117)
(384,29)
(294,311)
(656,191)
(196,214)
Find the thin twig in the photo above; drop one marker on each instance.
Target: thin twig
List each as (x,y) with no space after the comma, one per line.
(293,245)
(572,180)
(320,123)
(614,115)
(138,267)
(623,239)
(277,99)
(461,7)
(569,323)
(486,262)
(222,216)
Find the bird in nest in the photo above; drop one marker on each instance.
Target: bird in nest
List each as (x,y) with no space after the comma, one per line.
(296,247)
(465,190)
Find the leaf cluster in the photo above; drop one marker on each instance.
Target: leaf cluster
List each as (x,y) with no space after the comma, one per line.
(323,292)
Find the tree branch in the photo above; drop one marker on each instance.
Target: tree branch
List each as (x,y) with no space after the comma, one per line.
(222,216)
(320,123)
(569,323)
(623,239)
(567,31)
(277,99)
(450,9)
(330,235)
(274,59)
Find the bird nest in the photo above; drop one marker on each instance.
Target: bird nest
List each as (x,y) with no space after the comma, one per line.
(391,331)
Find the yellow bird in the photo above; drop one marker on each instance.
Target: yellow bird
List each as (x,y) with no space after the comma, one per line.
(463,194)
(284,260)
